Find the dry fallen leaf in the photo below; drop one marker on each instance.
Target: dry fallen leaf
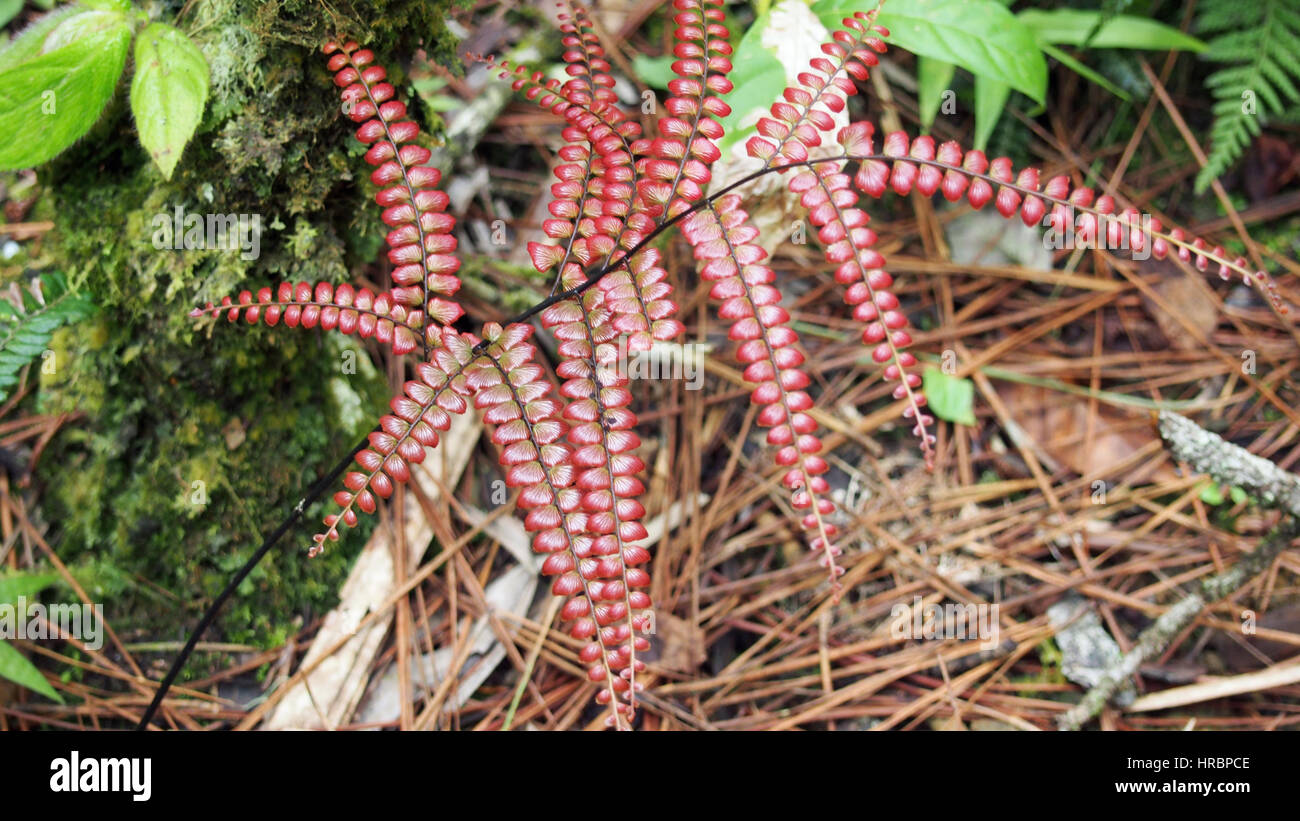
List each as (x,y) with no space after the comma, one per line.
(680,643)
(1193,300)
(1058,422)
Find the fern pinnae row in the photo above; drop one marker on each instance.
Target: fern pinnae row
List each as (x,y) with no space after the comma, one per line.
(792,128)
(556,514)
(832,208)
(768,350)
(596,409)
(421,410)
(589,73)
(598,413)
(422,245)
(344,311)
(702,51)
(1058,192)
(1176,238)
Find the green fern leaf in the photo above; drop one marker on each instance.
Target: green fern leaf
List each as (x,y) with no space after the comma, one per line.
(1259,40)
(29,321)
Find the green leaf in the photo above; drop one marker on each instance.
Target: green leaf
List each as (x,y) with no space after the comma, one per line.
(79,27)
(1071,27)
(428,88)
(168,92)
(990,101)
(933,78)
(26,585)
(15,667)
(759,79)
(1212,494)
(1083,71)
(9,10)
(981,36)
(49,101)
(1238,495)
(1257,42)
(27,43)
(950,397)
(654,71)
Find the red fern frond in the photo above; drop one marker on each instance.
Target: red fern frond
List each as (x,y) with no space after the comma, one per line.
(796,123)
(421,410)
(908,163)
(638,295)
(637,292)
(675,171)
(578,529)
(593,192)
(842,228)
(591,83)
(671,172)
(722,238)
(785,139)
(604,441)
(421,243)
(330,308)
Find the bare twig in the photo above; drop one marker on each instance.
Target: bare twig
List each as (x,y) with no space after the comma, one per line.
(1230,464)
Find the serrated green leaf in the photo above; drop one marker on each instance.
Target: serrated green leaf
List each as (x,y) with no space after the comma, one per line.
(981,36)
(49,101)
(15,667)
(1071,26)
(1261,38)
(949,397)
(168,92)
(933,78)
(990,101)
(25,334)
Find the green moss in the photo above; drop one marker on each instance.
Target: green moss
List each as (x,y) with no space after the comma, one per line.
(195,439)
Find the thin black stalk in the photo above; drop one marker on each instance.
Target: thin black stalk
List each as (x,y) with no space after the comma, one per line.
(601,272)
(322,484)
